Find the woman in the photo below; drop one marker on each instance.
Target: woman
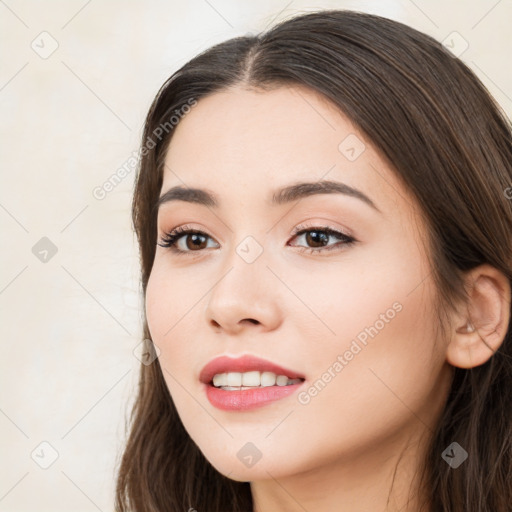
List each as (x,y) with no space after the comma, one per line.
(325,229)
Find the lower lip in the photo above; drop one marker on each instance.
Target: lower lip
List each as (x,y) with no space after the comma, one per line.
(247,399)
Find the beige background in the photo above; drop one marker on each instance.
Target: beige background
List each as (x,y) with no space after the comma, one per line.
(70,321)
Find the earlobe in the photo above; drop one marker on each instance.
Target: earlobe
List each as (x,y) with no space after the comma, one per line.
(481,329)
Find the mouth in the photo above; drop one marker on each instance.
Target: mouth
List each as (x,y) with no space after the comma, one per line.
(247,382)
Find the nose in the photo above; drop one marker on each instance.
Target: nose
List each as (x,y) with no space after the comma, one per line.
(246,296)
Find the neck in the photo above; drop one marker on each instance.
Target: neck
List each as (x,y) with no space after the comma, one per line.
(381,480)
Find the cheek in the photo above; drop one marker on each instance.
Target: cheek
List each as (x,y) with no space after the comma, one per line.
(162,314)
(383,363)
(172,299)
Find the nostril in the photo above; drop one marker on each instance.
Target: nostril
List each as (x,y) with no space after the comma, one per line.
(251,320)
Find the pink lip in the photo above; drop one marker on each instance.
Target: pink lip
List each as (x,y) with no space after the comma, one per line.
(247,399)
(247,363)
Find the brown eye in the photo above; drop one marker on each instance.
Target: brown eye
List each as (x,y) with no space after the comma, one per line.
(194,241)
(317,239)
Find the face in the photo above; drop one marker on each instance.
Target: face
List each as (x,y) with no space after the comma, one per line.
(351,309)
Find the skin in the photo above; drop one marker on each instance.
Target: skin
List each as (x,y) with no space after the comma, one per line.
(340,450)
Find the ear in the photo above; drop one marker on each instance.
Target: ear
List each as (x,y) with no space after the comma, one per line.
(481,325)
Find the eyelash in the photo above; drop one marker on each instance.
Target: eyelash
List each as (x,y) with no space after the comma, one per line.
(170,239)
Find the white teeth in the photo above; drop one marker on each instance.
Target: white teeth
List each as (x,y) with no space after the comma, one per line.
(218,380)
(282,380)
(251,379)
(268,379)
(235,380)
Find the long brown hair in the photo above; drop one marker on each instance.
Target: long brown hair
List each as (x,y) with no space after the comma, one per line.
(447,141)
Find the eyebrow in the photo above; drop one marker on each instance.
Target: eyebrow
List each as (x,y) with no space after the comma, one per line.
(282,196)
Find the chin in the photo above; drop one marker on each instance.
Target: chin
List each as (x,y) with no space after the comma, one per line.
(235,468)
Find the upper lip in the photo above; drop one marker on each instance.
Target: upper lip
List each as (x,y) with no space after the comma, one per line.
(247,363)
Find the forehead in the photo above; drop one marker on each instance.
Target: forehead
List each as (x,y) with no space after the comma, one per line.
(247,142)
